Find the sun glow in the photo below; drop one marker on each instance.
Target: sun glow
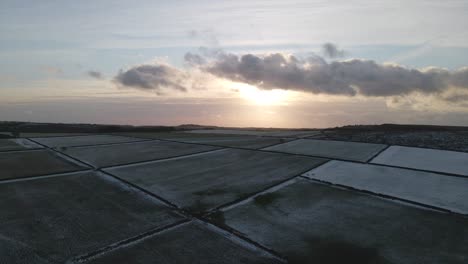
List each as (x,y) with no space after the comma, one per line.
(263,97)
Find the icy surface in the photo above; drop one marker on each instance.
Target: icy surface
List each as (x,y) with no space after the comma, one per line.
(423,187)
(17,144)
(33,163)
(83,140)
(186,243)
(330,149)
(225,140)
(50,213)
(205,181)
(250,142)
(425,159)
(286,133)
(62,217)
(109,155)
(315,223)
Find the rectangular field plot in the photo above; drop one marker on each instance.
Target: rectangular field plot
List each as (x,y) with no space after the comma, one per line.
(40,135)
(425,159)
(433,189)
(278,133)
(316,223)
(53,219)
(57,142)
(235,141)
(330,149)
(295,134)
(33,163)
(187,243)
(225,140)
(17,144)
(205,181)
(231,132)
(109,155)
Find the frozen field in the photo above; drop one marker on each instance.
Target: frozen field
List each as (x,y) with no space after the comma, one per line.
(33,163)
(63,216)
(330,149)
(433,189)
(205,181)
(309,222)
(74,141)
(17,144)
(425,159)
(229,198)
(184,244)
(293,133)
(221,139)
(115,154)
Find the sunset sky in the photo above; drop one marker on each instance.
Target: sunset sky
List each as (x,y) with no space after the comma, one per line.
(235,63)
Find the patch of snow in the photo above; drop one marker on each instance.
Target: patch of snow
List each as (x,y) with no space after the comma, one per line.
(428,188)
(425,159)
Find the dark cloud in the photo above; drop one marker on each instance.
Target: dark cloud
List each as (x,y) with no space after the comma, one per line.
(194,59)
(364,77)
(460,77)
(152,77)
(95,74)
(311,74)
(331,51)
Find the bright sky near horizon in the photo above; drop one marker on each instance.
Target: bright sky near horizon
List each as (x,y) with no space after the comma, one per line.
(235,63)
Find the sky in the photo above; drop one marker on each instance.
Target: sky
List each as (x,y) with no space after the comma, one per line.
(240,63)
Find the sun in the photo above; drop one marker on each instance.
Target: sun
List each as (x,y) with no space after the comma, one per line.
(262,97)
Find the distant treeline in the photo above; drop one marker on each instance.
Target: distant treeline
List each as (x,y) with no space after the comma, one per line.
(15,128)
(399,128)
(29,127)
(26,127)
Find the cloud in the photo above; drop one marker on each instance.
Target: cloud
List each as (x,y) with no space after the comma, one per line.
(278,71)
(350,77)
(456,97)
(460,77)
(447,101)
(154,77)
(95,74)
(331,51)
(194,59)
(312,74)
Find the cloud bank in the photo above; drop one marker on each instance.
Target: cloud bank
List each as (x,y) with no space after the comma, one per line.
(154,77)
(312,74)
(350,77)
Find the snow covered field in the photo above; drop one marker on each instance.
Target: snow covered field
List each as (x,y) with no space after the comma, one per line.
(425,159)
(433,189)
(180,197)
